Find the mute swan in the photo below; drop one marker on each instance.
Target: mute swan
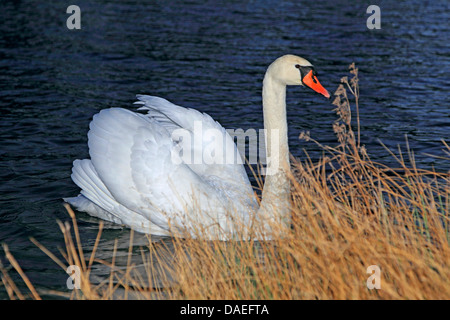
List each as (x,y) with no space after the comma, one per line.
(132,178)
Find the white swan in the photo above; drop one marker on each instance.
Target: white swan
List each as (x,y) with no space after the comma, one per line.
(132,178)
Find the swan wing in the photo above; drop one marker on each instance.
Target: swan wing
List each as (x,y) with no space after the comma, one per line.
(208,149)
(132,155)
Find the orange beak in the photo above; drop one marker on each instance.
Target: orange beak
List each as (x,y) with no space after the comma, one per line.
(311,81)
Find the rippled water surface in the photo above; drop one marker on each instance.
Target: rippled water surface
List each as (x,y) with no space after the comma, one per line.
(207,55)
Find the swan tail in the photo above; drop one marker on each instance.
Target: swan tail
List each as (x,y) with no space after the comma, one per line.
(92,190)
(81,203)
(85,176)
(96,200)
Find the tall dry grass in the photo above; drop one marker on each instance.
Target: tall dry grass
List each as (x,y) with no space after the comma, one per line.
(348,213)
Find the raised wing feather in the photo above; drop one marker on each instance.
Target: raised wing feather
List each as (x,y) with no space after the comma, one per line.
(213,153)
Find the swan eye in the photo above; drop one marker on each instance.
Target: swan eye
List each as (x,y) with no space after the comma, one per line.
(297,66)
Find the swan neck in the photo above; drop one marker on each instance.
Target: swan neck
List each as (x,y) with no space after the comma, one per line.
(275,122)
(275,200)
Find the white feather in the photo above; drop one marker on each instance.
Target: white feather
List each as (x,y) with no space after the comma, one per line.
(131,175)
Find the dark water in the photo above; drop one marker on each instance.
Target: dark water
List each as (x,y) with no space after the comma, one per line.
(211,56)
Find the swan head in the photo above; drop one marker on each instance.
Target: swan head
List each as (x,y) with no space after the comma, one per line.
(296,71)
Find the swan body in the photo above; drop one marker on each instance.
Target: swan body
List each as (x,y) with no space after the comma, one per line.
(135,176)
